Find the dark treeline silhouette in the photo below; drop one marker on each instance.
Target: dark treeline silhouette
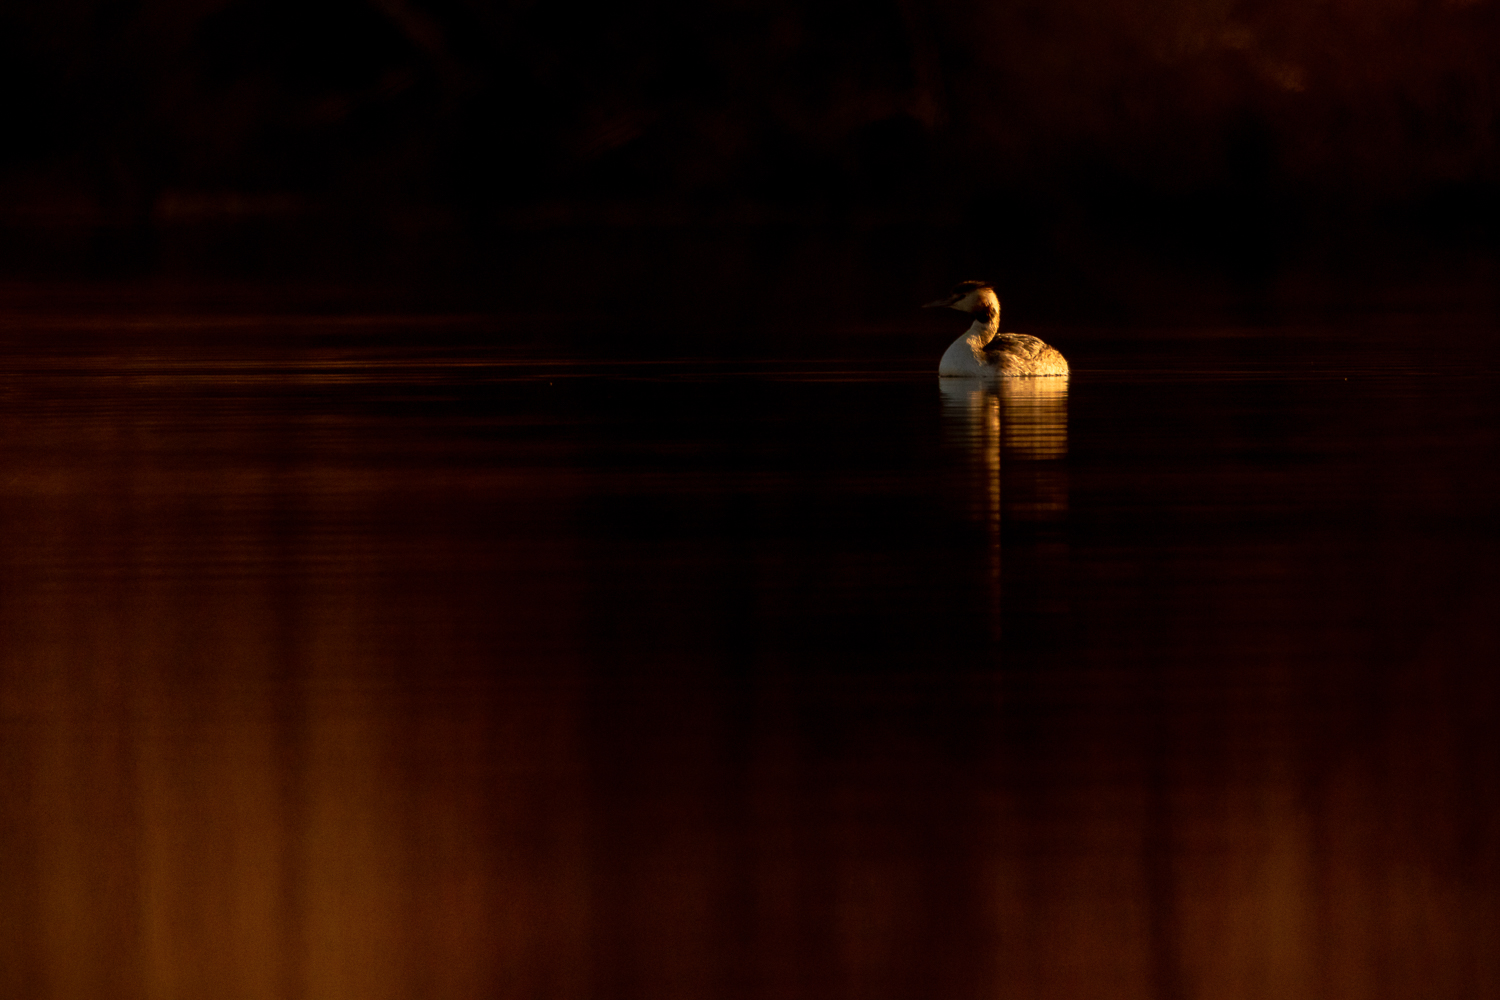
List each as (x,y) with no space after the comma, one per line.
(1231,134)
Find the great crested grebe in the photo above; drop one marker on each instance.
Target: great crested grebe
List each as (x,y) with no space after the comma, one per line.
(983,349)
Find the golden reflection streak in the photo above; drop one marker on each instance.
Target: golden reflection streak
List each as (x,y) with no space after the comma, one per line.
(1035,432)
(216,778)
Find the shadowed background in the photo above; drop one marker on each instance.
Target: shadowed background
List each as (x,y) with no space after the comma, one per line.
(1096,154)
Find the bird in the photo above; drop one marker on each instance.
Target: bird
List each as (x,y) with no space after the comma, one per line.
(983,349)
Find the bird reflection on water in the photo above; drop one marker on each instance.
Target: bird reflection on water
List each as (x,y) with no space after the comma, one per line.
(1015,432)
(1006,421)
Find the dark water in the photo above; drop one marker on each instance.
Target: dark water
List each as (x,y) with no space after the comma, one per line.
(368,657)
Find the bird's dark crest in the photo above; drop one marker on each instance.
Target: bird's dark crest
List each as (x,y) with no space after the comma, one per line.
(965,287)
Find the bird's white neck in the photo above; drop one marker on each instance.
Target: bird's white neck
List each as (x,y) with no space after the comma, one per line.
(986,313)
(965,356)
(982,330)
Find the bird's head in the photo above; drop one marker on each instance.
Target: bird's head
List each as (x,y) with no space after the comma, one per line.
(969,297)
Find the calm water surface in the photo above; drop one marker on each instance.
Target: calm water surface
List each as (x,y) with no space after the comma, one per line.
(366,658)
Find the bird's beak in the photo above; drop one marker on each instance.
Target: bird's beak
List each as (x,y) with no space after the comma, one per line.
(941,303)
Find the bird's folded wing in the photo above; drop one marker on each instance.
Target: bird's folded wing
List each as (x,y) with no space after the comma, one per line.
(1021,344)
